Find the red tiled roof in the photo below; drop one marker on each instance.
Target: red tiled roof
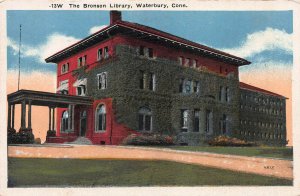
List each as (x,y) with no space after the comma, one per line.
(153,31)
(254,88)
(174,37)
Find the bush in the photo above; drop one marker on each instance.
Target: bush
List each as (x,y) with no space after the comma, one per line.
(12,136)
(51,133)
(148,140)
(25,137)
(224,140)
(22,137)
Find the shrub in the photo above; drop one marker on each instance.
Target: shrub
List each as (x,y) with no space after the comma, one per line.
(51,133)
(148,140)
(11,136)
(224,140)
(25,137)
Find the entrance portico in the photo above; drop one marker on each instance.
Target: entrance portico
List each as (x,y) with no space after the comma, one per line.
(28,98)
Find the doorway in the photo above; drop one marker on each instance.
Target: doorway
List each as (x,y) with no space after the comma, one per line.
(83,123)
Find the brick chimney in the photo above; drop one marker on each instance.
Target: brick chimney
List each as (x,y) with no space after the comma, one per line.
(115,16)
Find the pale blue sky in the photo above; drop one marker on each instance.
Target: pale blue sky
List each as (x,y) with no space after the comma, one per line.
(260,37)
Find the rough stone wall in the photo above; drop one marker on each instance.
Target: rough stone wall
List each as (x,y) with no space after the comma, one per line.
(262,118)
(166,102)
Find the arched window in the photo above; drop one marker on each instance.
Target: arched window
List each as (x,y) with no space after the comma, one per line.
(145,119)
(64,121)
(101,118)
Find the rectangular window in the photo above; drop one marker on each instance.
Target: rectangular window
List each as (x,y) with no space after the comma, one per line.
(187,88)
(220,93)
(142,51)
(152,82)
(102,80)
(197,121)
(184,120)
(79,64)
(100,54)
(196,86)
(181,81)
(65,68)
(147,123)
(227,94)
(150,52)
(101,122)
(208,120)
(142,79)
(84,60)
(180,60)
(141,122)
(81,90)
(187,62)
(106,52)
(195,62)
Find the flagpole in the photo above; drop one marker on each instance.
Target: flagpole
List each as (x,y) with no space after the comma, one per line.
(19,57)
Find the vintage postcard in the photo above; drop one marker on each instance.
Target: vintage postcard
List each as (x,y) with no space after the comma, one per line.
(148,97)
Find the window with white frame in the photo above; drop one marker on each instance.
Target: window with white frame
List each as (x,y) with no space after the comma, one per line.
(187,62)
(106,52)
(196,86)
(195,62)
(64,121)
(152,82)
(82,61)
(102,80)
(145,119)
(63,87)
(65,68)
(180,60)
(100,118)
(100,54)
(81,90)
(184,120)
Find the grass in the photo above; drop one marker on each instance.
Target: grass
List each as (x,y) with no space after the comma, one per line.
(33,172)
(268,152)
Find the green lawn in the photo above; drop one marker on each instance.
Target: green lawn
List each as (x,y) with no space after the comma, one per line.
(269,152)
(78,172)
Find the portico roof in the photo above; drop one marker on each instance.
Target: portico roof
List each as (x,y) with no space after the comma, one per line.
(47,99)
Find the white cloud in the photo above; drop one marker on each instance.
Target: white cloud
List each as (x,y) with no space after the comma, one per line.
(260,41)
(96,28)
(54,43)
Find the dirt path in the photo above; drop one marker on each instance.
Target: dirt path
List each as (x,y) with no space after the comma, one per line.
(262,166)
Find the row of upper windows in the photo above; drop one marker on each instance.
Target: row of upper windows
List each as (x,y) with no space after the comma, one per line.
(261,100)
(261,124)
(102,53)
(263,135)
(187,62)
(146,52)
(262,109)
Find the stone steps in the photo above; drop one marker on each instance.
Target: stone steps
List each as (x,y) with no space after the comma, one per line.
(81,140)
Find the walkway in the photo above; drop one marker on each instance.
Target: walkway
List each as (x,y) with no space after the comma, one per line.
(262,166)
